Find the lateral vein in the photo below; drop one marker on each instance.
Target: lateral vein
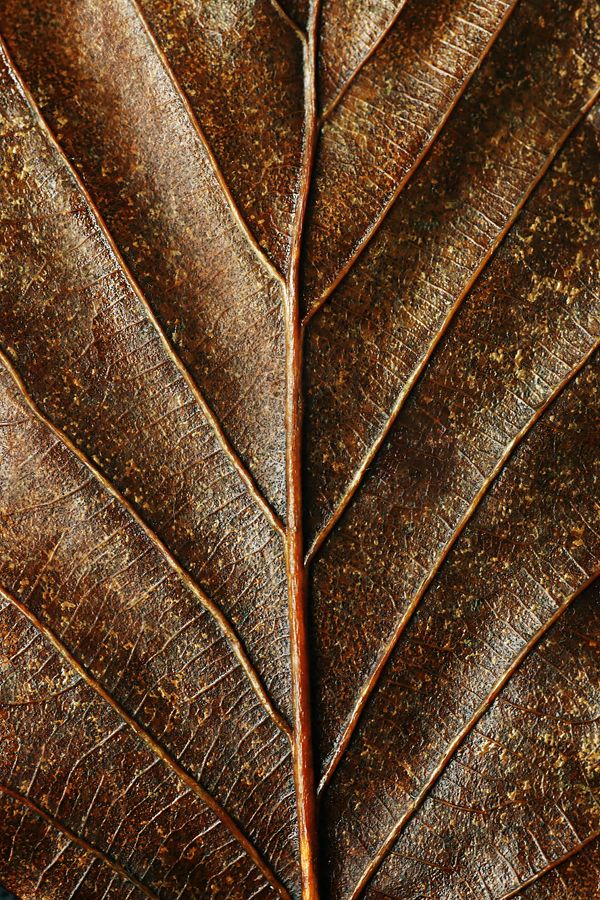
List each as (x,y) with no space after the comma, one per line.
(372,231)
(377,672)
(410,385)
(76,839)
(413,808)
(514,892)
(215,611)
(234,459)
(279,9)
(235,211)
(362,62)
(159,751)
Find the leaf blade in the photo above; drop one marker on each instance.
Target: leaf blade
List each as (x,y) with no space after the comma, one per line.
(451,663)
(118,338)
(186,252)
(393,309)
(454,431)
(383,128)
(146,803)
(93,586)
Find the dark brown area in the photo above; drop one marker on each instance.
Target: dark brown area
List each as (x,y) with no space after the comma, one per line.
(368,342)
(520,336)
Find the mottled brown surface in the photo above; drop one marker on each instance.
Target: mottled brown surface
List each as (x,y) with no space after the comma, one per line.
(169,216)
(520,791)
(387,118)
(372,335)
(350,32)
(501,584)
(77,776)
(181,182)
(519,337)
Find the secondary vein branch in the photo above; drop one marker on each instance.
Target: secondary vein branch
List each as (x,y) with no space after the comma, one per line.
(374,678)
(551,866)
(76,839)
(416,374)
(362,63)
(212,608)
(234,459)
(235,211)
(157,749)
(282,12)
(460,737)
(402,184)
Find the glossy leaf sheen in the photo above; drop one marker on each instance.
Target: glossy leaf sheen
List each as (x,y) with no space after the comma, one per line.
(299,532)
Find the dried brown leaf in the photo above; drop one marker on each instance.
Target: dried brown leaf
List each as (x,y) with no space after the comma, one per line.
(298,449)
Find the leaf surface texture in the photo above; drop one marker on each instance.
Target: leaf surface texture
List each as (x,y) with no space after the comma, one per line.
(299,394)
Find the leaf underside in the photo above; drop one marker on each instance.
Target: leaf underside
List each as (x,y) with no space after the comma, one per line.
(299,535)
